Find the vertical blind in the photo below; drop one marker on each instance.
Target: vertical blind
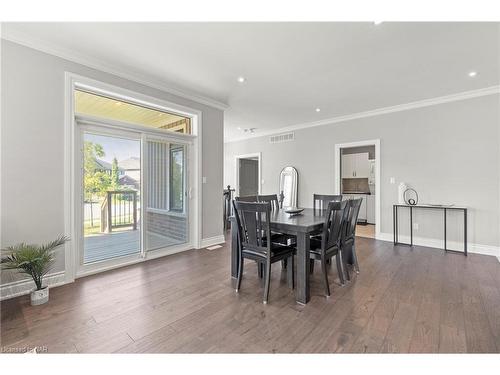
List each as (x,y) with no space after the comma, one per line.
(158,154)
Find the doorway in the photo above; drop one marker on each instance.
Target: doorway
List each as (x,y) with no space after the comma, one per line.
(357,175)
(248,175)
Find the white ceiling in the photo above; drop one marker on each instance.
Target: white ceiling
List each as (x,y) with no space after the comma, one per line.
(290,68)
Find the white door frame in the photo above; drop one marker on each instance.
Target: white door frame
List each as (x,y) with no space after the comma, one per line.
(72,163)
(337,177)
(237,158)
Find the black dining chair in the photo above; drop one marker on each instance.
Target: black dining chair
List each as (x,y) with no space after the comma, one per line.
(277,237)
(271,198)
(348,242)
(320,201)
(329,245)
(254,230)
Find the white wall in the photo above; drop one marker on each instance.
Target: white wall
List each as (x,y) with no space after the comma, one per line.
(448,152)
(32,146)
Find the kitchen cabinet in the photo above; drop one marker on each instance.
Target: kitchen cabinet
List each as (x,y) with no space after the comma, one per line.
(370,209)
(355,166)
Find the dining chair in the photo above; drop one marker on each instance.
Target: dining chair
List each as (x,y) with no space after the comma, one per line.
(320,201)
(271,198)
(348,242)
(330,243)
(254,229)
(277,237)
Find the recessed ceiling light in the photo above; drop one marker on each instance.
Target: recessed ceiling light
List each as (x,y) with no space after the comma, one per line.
(241,79)
(239,127)
(376,23)
(472,74)
(318,109)
(118,103)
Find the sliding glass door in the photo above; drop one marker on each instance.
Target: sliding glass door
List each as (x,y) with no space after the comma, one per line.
(134,195)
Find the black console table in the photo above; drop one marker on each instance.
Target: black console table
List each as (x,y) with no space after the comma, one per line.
(427,206)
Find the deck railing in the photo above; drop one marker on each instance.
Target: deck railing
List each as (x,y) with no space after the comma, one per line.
(119,209)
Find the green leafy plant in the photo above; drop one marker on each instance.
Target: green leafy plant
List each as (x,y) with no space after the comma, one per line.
(33,260)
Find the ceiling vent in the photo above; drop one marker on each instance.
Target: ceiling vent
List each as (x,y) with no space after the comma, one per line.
(280,138)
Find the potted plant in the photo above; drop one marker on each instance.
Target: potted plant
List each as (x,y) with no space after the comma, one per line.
(35,261)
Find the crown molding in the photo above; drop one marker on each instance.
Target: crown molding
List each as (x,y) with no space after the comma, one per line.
(377,112)
(51,49)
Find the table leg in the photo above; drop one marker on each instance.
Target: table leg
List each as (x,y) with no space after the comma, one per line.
(411,226)
(465,232)
(445,229)
(302,289)
(234,250)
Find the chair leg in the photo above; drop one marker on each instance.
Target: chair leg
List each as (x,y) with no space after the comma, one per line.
(291,273)
(355,258)
(340,270)
(311,266)
(260,269)
(325,277)
(284,263)
(344,265)
(267,270)
(240,274)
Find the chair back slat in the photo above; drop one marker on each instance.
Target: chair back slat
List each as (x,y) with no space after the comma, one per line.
(352,217)
(254,227)
(320,201)
(334,223)
(272,199)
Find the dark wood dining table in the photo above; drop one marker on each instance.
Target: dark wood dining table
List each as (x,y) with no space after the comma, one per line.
(301,226)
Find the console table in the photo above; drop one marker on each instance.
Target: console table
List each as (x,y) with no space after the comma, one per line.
(427,206)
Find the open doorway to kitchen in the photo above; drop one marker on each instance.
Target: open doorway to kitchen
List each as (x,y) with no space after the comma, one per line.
(247,175)
(357,171)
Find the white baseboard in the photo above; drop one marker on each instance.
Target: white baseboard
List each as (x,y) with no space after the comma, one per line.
(451,245)
(25,286)
(210,241)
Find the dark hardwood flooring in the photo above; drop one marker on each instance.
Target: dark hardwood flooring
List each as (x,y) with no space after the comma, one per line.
(404,301)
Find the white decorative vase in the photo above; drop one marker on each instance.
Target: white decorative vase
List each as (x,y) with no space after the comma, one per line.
(39,297)
(401,193)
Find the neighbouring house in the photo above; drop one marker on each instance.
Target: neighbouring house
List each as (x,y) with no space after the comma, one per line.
(129,171)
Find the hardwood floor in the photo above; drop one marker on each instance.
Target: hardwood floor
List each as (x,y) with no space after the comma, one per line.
(404,300)
(367,230)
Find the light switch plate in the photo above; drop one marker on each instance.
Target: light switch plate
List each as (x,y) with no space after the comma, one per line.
(393,180)
(204,180)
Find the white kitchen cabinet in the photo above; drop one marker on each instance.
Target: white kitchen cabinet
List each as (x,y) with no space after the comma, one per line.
(370,209)
(355,165)
(348,168)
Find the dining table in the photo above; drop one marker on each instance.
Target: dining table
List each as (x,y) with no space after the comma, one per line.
(301,226)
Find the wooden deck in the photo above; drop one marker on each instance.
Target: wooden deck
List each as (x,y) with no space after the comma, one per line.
(106,246)
(405,300)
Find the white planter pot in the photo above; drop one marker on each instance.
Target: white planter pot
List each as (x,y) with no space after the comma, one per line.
(39,297)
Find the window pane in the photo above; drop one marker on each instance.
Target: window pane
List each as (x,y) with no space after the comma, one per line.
(176,177)
(111,204)
(101,106)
